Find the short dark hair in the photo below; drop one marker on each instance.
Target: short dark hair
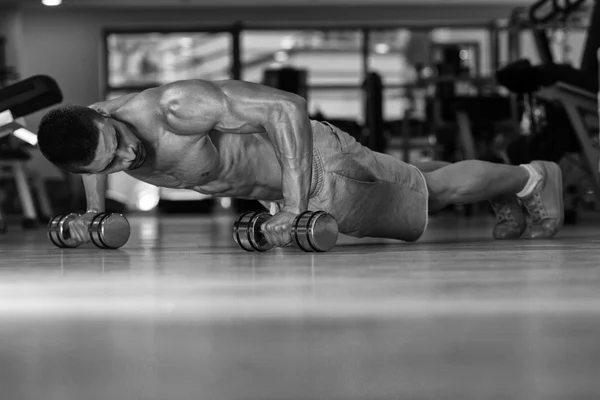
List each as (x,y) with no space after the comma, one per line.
(68,137)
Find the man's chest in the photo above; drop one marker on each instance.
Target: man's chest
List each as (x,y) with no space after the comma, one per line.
(176,161)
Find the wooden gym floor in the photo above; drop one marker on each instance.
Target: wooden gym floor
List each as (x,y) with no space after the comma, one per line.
(181,313)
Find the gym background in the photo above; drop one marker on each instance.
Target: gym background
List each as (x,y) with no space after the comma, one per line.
(181,311)
(417,80)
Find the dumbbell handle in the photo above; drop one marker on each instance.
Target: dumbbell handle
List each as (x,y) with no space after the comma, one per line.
(67,227)
(310,231)
(304,241)
(67,232)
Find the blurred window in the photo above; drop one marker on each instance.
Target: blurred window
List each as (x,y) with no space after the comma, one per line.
(332,59)
(141,60)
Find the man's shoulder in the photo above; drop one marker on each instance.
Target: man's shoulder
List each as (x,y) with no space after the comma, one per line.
(142,110)
(145,103)
(181,96)
(186,87)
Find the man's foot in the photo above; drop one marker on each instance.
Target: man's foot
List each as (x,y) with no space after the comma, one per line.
(545,203)
(511,217)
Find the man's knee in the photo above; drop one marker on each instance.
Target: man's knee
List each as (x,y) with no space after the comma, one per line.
(440,192)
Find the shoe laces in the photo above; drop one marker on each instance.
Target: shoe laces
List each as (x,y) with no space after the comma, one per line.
(503,212)
(535,207)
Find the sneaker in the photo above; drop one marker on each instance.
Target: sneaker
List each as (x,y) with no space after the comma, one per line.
(545,204)
(511,217)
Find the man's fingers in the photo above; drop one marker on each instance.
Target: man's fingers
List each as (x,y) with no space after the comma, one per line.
(285,238)
(78,231)
(77,234)
(274,234)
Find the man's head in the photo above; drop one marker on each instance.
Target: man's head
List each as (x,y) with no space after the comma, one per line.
(83,140)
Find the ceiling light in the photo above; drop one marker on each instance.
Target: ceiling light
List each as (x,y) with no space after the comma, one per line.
(51,3)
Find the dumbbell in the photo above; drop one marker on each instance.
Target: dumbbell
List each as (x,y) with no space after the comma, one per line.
(312,231)
(106,230)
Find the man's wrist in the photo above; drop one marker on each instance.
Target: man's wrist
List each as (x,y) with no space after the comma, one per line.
(93,210)
(294,209)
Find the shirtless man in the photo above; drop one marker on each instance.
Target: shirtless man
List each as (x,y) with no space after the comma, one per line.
(245,140)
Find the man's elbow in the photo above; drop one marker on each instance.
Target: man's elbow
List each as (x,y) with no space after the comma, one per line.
(295,104)
(299,101)
(289,107)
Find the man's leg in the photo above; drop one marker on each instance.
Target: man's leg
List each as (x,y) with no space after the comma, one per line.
(430,166)
(538,185)
(509,212)
(471,181)
(510,215)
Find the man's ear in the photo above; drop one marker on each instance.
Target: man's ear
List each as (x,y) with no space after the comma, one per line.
(100,110)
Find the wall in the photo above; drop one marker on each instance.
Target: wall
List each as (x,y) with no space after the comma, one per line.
(10,28)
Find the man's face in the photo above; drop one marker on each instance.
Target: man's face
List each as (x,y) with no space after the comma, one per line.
(118,149)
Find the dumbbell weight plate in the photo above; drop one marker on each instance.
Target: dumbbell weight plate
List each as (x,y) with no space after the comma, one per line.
(315,231)
(109,231)
(247,234)
(58,231)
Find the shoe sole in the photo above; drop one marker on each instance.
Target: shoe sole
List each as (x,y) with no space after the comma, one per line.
(558,194)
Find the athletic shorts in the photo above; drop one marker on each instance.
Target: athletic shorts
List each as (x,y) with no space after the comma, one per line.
(369,194)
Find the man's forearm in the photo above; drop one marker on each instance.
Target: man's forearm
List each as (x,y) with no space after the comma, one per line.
(95,191)
(293,142)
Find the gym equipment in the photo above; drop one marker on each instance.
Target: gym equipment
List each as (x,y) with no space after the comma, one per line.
(58,231)
(109,231)
(315,231)
(247,233)
(16,101)
(374,121)
(557,10)
(106,230)
(30,95)
(288,79)
(547,16)
(312,231)
(589,61)
(581,107)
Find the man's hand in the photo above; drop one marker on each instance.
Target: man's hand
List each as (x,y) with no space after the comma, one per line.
(277,230)
(78,228)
